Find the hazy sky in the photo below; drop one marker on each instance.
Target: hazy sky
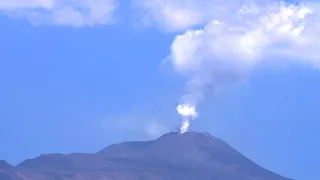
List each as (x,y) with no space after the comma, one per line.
(78,76)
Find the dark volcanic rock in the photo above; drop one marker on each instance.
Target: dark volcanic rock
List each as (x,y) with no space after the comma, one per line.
(173,156)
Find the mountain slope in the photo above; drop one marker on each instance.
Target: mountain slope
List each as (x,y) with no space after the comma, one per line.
(5,165)
(173,156)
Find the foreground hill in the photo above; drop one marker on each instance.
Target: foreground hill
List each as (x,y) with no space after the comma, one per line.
(173,156)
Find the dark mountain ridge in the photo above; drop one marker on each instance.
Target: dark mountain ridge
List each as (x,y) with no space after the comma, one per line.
(5,165)
(175,156)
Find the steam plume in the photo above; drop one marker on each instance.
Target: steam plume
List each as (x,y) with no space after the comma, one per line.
(230,45)
(188,113)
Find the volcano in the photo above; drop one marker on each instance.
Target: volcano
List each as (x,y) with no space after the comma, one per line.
(173,156)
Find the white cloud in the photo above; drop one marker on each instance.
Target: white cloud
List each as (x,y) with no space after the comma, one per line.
(61,12)
(180,15)
(231,44)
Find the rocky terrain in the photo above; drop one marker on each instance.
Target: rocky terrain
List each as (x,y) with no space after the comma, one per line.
(173,156)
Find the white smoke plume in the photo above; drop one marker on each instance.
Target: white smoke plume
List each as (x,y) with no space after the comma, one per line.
(188,113)
(232,43)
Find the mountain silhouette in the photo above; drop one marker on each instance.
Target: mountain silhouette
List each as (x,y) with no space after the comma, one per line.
(173,156)
(5,165)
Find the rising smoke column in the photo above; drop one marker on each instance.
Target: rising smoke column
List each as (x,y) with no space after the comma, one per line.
(226,50)
(188,113)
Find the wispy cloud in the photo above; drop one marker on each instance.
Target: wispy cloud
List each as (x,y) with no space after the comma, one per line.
(154,129)
(61,12)
(180,15)
(138,123)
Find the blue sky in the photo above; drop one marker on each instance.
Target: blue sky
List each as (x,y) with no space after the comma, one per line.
(79,84)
